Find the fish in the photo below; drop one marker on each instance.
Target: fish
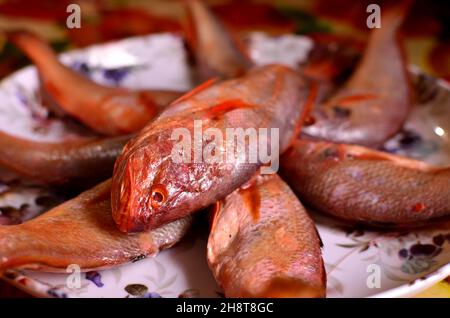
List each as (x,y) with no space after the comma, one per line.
(217,52)
(82,232)
(375,102)
(111,111)
(330,62)
(275,254)
(86,160)
(151,188)
(366,186)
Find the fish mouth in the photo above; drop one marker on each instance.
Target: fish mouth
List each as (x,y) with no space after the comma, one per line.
(124,213)
(119,213)
(132,227)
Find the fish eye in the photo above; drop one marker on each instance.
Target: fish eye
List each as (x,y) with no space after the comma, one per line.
(158,195)
(309,121)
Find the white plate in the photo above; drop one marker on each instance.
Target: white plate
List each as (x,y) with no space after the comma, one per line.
(407,262)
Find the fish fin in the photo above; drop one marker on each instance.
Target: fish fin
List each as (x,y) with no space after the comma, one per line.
(196,90)
(318,235)
(35,47)
(251,197)
(362,153)
(352,100)
(226,106)
(307,108)
(214,213)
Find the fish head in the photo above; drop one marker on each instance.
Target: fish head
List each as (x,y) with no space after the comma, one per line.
(139,191)
(150,188)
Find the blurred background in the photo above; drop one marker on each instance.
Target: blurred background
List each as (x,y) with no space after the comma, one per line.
(426,30)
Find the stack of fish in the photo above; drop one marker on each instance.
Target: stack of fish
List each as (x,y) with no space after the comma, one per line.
(262,242)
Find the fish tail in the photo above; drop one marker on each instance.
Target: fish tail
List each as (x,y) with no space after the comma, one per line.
(189,27)
(68,88)
(35,47)
(283,287)
(228,58)
(11,246)
(395,14)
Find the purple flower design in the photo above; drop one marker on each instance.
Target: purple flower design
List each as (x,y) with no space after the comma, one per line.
(116,75)
(81,67)
(420,257)
(95,277)
(152,295)
(54,292)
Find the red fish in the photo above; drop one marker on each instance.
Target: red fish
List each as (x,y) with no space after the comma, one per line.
(151,189)
(216,51)
(359,184)
(271,252)
(85,160)
(373,104)
(107,110)
(81,231)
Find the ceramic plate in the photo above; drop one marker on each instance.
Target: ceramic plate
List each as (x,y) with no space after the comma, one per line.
(406,262)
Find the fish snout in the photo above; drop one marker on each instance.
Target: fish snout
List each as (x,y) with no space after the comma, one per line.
(126,211)
(123,195)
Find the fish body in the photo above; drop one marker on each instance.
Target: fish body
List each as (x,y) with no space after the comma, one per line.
(84,160)
(367,186)
(264,244)
(374,103)
(217,52)
(151,189)
(81,231)
(108,110)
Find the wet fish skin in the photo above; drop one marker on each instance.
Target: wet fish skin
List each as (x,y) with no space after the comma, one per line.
(217,53)
(367,186)
(84,160)
(111,111)
(81,231)
(374,103)
(276,254)
(146,167)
